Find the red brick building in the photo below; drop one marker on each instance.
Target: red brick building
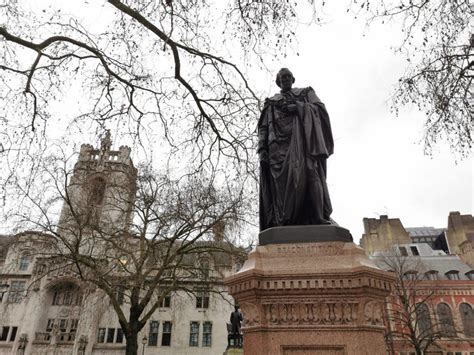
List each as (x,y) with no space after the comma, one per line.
(433,300)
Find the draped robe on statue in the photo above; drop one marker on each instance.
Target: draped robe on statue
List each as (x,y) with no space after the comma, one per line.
(293,148)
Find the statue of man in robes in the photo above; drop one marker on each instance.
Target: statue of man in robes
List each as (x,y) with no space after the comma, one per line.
(295,140)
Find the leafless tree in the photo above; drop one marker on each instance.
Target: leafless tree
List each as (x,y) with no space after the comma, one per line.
(168,76)
(409,305)
(438,43)
(137,242)
(150,68)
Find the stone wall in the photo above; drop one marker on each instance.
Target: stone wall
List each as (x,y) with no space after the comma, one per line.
(381,234)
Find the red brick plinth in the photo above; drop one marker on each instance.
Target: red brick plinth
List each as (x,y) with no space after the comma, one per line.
(323,298)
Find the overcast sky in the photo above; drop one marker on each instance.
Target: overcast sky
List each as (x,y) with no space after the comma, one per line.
(378,166)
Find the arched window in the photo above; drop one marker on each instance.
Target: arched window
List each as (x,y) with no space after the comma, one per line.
(204,267)
(452,275)
(410,275)
(96,191)
(424,319)
(67,295)
(24,262)
(445,319)
(467,316)
(470,275)
(431,275)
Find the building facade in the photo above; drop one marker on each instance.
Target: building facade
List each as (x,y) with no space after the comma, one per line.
(442,286)
(457,238)
(46,309)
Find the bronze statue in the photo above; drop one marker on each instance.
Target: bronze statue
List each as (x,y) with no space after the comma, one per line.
(295,139)
(234,338)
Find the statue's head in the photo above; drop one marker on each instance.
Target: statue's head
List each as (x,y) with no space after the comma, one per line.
(285,79)
(236,307)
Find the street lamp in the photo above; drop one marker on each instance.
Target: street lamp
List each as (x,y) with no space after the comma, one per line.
(82,345)
(144,341)
(22,344)
(3,290)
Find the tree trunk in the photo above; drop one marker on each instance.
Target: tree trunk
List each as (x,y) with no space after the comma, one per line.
(132,344)
(131,336)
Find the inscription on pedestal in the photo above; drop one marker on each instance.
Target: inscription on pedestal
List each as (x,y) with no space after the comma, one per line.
(310,249)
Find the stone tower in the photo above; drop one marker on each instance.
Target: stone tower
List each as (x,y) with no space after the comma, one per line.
(460,233)
(101,191)
(381,234)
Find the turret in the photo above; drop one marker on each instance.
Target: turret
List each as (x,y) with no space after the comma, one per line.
(102,188)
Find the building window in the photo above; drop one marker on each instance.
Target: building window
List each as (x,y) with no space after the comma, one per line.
(120,294)
(470,275)
(101,335)
(204,268)
(13,333)
(194,334)
(467,316)
(16,293)
(63,325)
(153,334)
(97,191)
(50,325)
(119,338)
(207,334)
(452,275)
(202,300)
(431,275)
(410,275)
(110,335)
(445,319)
(403,251)
(424,319)
(166,336)
(414,251)
(24,263)
(73,325)
(67,295)
(4,333)
(166,302)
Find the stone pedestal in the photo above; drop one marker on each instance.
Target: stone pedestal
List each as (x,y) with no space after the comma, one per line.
(234,351)
(311,297)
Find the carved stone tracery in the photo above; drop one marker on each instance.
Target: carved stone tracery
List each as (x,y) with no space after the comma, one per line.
(250,314)
(373,313)
(309,313)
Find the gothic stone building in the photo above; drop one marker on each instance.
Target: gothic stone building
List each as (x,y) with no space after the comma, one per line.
(59,314)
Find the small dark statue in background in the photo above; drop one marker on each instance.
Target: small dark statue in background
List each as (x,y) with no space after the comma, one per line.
(295,140)
(234,338)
